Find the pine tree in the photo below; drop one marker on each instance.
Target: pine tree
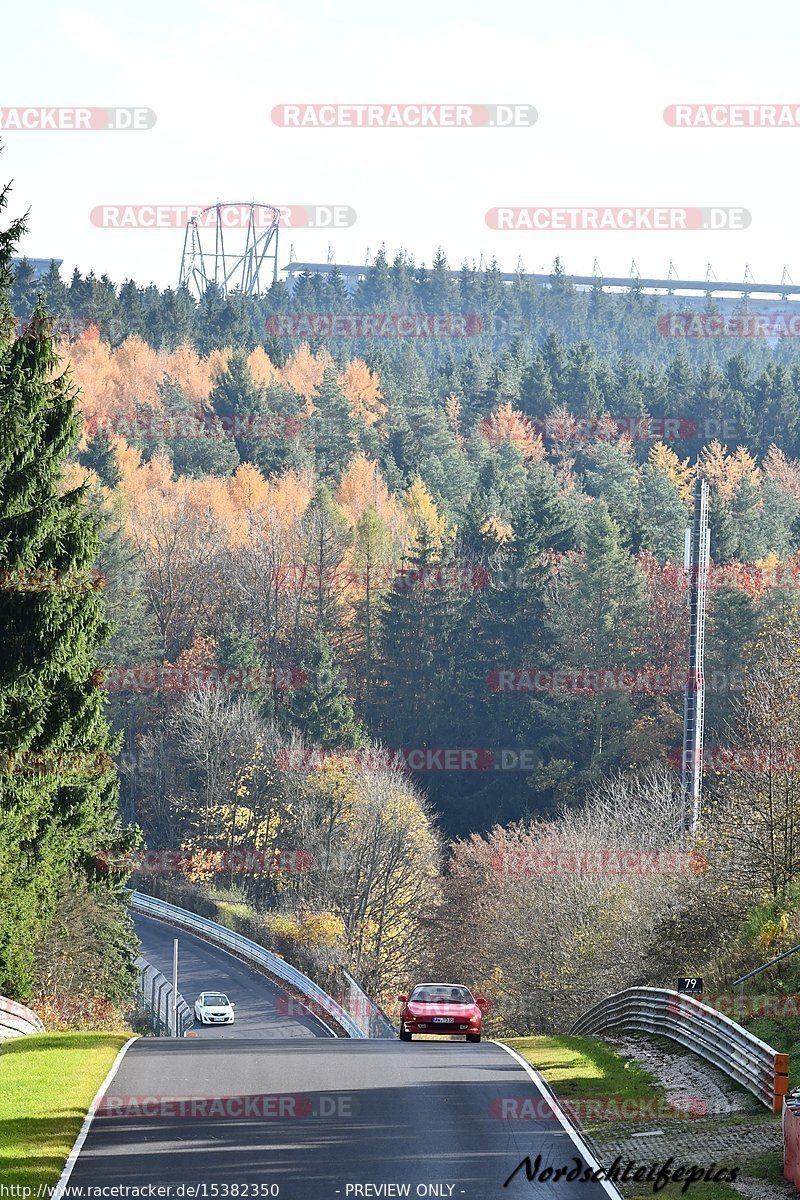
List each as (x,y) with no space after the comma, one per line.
(732,623)
(665,515)
(327,537)
(23,291)
(332,430)
(417,696)
(57,781)
(372,541)
(196,448)
(599,626)
(321,709)
(100,457)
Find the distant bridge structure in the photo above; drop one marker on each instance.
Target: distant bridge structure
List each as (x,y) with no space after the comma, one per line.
(676,293)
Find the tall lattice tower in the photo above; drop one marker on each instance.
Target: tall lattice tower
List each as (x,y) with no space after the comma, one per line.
(232,246)
(698,542)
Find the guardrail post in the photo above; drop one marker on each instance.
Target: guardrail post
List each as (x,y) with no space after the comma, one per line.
(781,1087)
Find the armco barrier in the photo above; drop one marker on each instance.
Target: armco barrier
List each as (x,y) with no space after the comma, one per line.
(371,1018)
(248,950)
(16,1020)
(745,1058)
(154,991)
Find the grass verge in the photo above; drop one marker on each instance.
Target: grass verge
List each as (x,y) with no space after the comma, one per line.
(47,1082)
(585,1069)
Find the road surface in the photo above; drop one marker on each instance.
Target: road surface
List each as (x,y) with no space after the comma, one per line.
(325,1119)
(262,1009)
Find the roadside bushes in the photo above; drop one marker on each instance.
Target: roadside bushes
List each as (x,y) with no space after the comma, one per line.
(547,917)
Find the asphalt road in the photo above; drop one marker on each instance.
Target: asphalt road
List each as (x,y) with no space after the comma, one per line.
(262,1009)
(326,1118)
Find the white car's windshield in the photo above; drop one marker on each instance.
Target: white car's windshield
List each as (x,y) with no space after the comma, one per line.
(214,999)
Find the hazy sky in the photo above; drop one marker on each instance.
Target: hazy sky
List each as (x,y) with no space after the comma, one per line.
(599,76)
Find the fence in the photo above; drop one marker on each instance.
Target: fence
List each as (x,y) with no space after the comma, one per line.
(718,1039)
(251,953)
(16,1020)
(155,994)
(371,1019)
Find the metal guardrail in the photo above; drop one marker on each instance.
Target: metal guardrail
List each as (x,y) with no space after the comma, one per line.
(16,1020)
(154,991)
(715,1037)
(371,1018)
(250,951)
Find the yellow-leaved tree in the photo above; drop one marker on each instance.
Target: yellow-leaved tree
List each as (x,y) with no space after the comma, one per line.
(424,515)
(663,458)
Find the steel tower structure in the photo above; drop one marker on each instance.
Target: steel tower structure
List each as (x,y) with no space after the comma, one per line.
(696,562)
(232,246)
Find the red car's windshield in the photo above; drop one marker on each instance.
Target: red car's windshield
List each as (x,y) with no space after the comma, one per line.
(441,995)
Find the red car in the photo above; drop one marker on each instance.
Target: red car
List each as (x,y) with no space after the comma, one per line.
(444,1008)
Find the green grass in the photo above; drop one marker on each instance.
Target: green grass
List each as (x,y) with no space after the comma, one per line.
(695,1191)
(231,914)
(582,1068)
(781,1034)
(47,1082)
(766,1166)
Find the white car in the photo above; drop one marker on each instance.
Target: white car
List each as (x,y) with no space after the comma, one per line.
(213,1008)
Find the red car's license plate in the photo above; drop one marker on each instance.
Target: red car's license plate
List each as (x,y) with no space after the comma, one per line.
(443,1020)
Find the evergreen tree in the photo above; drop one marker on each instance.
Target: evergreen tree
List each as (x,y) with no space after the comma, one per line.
(732,623)
(599,628)
(57,783)
(196,448)
(327,538)
(321,709)
(418,692)
(100,457)
(369,563)
(23,291)
(332,430)
(665,516)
